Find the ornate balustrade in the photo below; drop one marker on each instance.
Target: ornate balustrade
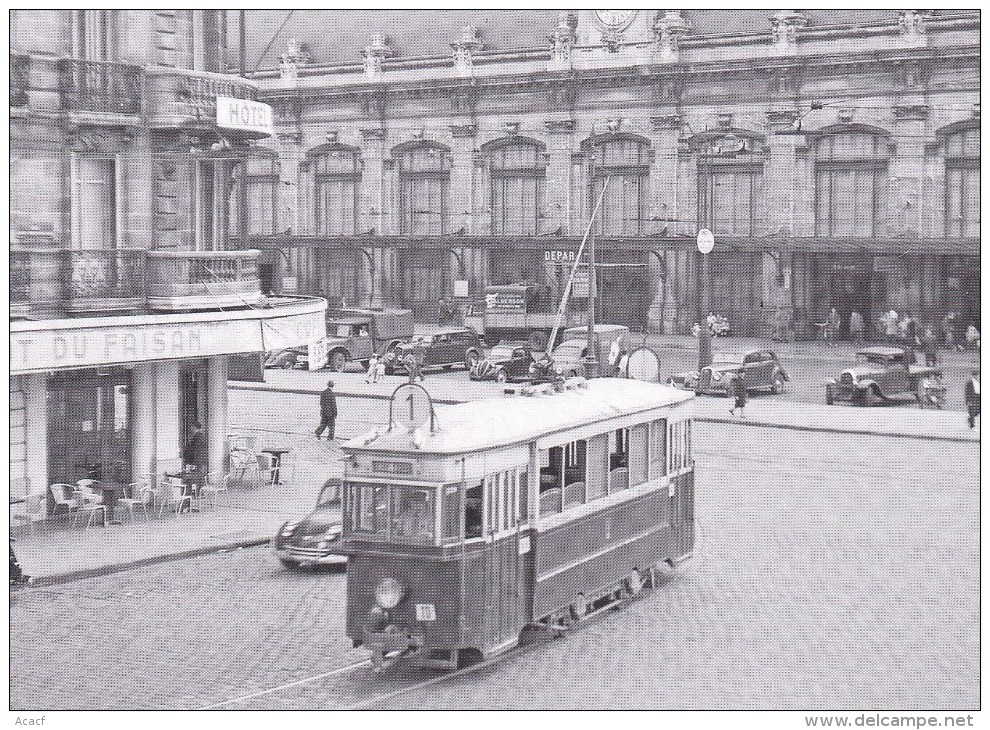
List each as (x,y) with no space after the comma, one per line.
(105,280)
(189,280)
(37,282)
(179,97)
(20,69)
(100,87)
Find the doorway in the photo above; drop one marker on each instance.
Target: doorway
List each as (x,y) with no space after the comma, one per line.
(193,403)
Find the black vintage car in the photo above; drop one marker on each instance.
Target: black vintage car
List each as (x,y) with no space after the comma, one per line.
(446,347)
(307,542)
(504,363)
(761,368)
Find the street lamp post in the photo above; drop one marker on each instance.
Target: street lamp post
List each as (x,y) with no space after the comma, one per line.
(592,368)
(706,242)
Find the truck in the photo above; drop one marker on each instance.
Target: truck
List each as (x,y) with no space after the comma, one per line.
(352,335)
(523,311)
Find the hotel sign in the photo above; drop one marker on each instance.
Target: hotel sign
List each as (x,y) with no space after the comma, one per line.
(244,115)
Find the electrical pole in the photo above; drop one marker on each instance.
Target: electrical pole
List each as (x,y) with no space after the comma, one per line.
(243,42)
(706,242)
(591,365)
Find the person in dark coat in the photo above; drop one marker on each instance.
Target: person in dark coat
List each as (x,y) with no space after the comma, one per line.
(328,412)
(929,343)
(195,456)
(973,397)
(738,391)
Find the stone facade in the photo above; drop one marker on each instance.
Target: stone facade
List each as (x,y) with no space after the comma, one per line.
(709,109)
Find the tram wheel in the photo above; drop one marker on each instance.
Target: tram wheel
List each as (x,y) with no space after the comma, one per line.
(634,582)
(579,608)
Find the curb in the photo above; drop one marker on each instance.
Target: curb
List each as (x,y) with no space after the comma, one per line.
(851,431)
(51,580)
(265,388)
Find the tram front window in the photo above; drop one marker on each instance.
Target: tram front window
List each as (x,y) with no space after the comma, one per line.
(412,514)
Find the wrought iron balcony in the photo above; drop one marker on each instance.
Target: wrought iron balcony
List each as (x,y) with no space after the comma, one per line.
(190,280)
(100,87)
(179,97)
(20,69)
(37,282)
(105,280)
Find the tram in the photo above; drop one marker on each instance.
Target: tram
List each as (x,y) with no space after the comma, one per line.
(465,525)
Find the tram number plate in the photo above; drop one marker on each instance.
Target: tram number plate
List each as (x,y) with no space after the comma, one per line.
(426,612)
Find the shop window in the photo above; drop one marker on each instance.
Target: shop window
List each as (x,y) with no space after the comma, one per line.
(962,183)
(336,182)
(625,163)
(424,189)
(518,182)
(850,180)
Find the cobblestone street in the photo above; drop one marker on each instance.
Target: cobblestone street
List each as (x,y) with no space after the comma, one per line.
(842,574)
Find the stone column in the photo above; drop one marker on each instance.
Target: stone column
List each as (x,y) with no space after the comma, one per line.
(560,174)
(216,408)
(168,449)
(782,187)
(143,422)
(36,431)
(374,208)
(663,189)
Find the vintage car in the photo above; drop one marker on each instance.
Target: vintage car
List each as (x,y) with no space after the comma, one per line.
(570,355)
(446,347)
(762,369)
(307,542)
(504,363)
(880,374)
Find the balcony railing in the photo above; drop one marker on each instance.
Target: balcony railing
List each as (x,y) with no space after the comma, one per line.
(182,97)
(100,87)
(47,282)
(105,280)
(187,280)
(20,69)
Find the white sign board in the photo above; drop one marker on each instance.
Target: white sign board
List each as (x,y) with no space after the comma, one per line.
(244,115)
(461,290)
(706,240)
(318,353)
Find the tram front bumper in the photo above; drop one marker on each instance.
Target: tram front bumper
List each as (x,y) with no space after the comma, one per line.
(390,645)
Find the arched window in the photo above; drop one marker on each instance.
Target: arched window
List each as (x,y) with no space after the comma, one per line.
(850,182)
(336,177)
(625,162)
(962,183)
(518,178)
(424,188)
(730,182)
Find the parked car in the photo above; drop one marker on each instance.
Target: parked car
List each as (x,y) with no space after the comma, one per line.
(444,348)
(762,369)
(504,363)
(310,540)
(880,374)
(570,354)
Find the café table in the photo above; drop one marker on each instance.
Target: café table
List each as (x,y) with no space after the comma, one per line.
(191,483)
(276,452)
(110,492)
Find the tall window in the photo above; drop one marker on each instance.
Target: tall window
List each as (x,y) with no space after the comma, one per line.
(337,176)
(94,201)
(262,195)
(625,162)
(518,174)
(424,189)
(962,183)
(730,183)
(93,33)
(850,175)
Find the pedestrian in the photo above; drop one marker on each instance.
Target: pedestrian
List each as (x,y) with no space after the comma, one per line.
(328,412)
(372,375)
(949,329)
(411,365)
(738,391)
(442,314)
(380,369)
(419,352)
(856,326)
(890,326)
(832,323)
(973,397)
(911,329)
(195,460)
(613,353)
(972,337)
(929,343)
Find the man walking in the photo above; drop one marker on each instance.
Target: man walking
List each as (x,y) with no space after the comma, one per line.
(328,412)
(973,397)
(738,391)
(929,344)
(856,326)
(372,375)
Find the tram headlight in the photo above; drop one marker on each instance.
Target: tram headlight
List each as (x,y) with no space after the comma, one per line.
(716,376)
(389,592)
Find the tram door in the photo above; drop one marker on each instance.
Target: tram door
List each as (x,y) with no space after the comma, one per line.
(502,560)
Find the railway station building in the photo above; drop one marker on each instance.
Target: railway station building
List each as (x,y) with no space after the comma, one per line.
(419,156)
(127,298)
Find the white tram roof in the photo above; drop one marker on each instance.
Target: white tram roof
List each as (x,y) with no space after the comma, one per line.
(511,419)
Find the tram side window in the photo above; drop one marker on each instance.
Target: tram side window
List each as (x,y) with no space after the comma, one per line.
(680,445)
(639,437)
(551,480)
(369,508)
(618,460)
(523,496)
(452,512)
(658,448)
(473,511)
(575,469)
(412,514)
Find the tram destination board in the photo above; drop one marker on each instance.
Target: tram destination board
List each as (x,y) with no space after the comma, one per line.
(392,467)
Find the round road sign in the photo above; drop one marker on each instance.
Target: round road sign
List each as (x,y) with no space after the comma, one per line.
(706,240)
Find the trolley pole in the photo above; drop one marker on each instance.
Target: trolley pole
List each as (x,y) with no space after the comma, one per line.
(591,364)
(706,242)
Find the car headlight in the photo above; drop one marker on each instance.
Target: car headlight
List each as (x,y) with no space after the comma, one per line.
(716,376)
(389,592)
(288,528)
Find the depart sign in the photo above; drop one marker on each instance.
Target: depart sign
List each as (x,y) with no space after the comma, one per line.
(244,115)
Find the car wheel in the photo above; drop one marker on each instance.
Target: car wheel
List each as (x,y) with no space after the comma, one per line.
(501,376)
(571,374)
(337,361)
(290,564)
(777,387)
(471,359)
